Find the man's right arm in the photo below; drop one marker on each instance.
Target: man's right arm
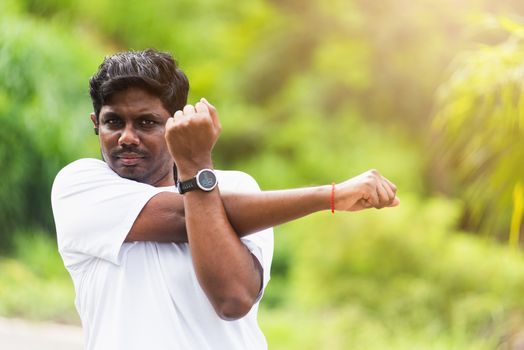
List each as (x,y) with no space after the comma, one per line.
(162,218)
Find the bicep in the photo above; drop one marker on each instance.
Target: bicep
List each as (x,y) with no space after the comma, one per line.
(160,220)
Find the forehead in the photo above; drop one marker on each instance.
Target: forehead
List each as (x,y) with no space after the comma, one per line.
(132,101)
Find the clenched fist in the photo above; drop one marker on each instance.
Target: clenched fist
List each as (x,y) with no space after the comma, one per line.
(191,135)
(368,190)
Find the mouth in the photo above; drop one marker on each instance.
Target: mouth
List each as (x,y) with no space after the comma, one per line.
(129,159)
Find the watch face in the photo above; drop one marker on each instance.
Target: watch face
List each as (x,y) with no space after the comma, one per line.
(207,180)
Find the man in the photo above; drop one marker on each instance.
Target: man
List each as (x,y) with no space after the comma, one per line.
(156,267)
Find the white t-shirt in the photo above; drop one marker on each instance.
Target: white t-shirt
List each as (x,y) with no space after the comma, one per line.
(141,295)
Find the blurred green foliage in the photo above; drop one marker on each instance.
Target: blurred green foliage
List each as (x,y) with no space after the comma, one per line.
(481,129)
(43,72)
(400,279)
(308,92)
(34,283)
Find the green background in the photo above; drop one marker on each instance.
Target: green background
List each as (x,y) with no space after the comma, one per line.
(429,92)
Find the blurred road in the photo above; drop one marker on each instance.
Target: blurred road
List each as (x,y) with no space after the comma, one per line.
(22,335)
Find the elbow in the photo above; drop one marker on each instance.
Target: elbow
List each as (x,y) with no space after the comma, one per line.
(234,308)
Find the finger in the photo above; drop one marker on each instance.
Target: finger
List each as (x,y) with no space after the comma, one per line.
(201,107)
(213,112)
(395,202)
(178,115)
(391,185)
(211,107)
(383,197)
(388,189)
(189,109)
(373,197)
(169,125)
(169,128)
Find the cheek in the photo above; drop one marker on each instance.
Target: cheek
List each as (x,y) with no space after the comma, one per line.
(166,156)
(106,140)
(159,142)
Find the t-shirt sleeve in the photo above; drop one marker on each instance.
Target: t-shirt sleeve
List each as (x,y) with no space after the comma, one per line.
(260,244)
(94,209)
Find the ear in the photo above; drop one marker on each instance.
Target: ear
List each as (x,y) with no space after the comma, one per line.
(95,123)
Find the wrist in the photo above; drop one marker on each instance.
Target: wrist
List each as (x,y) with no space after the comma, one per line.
(205,180)
(188,169)
(322,197)
(332,198)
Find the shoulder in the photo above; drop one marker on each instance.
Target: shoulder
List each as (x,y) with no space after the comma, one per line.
(236,180)
(80,171)
(84,164)
(83,168)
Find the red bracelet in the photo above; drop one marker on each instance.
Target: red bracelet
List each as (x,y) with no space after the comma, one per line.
(332,200)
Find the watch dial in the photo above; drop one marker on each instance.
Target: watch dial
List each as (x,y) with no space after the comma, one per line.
(207,179)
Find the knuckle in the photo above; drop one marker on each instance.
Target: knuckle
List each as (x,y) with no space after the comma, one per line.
(181,123)
(200,119)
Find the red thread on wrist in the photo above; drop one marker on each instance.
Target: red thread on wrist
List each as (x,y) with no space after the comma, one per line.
(332,200)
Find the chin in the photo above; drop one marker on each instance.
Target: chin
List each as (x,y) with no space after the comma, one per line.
(131,173)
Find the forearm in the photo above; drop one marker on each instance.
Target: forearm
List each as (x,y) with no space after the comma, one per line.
(224,266)
(163,219)
(252,212)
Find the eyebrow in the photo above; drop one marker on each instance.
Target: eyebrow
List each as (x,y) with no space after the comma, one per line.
(152,115)
(112,114)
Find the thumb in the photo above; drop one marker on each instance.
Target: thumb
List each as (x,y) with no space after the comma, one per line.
(395,202)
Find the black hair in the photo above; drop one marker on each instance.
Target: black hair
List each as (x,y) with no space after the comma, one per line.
(154,71)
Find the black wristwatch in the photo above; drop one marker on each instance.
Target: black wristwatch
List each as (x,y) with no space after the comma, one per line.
(204,180)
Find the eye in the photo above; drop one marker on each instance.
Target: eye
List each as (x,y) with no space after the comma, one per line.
(147,123)
(113,121)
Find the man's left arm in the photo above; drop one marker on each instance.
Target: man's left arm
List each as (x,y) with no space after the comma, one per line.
(227,271)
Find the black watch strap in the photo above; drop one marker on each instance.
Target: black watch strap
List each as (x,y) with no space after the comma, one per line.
(186,186)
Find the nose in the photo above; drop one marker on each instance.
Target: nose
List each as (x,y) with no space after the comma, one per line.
(128,136)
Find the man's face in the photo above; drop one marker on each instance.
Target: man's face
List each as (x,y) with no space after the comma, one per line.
(131,131)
